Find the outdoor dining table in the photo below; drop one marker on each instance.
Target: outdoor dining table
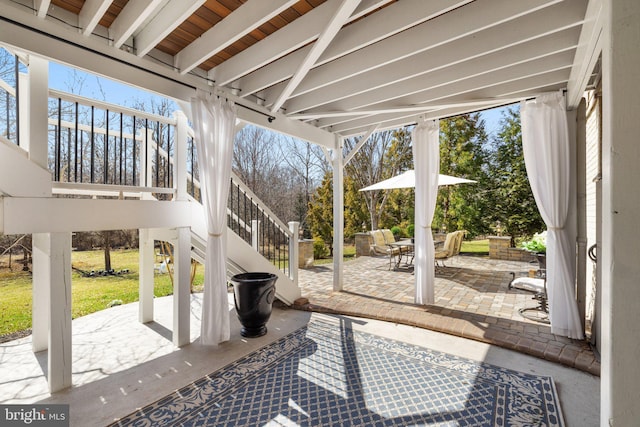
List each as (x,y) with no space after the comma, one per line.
(405,248)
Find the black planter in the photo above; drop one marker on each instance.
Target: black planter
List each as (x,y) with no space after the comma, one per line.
(254,294)
(542,260)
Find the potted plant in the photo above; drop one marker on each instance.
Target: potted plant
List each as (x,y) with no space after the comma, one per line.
(538,245)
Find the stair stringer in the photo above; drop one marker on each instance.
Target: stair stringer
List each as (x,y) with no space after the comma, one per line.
(20,176)
(242,256)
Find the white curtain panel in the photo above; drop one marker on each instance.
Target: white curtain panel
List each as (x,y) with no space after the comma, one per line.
(426,162)
(214,122)
(545,141)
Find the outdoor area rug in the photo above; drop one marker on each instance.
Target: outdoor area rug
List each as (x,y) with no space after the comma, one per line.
(327,374)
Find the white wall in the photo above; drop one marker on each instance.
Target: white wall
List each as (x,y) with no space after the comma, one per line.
(620,263)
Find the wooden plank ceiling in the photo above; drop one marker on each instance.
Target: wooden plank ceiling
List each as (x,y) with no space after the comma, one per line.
(346,65)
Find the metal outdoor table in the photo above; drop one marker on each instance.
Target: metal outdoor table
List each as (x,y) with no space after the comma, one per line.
(405,248)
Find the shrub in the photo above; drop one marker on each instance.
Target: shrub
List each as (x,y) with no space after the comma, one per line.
(537,244)
(320,250)
(397,232)
(411,229)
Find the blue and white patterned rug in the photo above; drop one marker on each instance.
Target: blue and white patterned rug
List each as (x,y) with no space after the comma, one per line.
(326,374)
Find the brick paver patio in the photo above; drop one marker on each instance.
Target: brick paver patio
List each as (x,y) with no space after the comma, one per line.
(472,300)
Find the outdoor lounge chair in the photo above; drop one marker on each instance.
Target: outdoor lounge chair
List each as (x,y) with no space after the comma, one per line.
(451,247)
(382,246)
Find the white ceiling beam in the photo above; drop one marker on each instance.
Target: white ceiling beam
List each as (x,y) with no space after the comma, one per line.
(382,24)
(130,18)
(42,6)
(484,53)
(533,84)
(174,13)
(241,21)
(479,103)
(589,48)
(340,17)
(91,14)
(547,65)
(284,41)
(415,91)
(456,24)
(412,120)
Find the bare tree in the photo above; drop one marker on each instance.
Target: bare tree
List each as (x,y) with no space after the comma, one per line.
(309,164)
(384,155)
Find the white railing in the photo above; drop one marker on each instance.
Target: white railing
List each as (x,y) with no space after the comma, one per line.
(137,157)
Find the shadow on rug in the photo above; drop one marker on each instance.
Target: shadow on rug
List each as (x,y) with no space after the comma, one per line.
(327,374)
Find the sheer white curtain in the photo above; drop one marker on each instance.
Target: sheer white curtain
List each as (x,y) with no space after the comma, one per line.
(214,122)
(545,141)
(426,162)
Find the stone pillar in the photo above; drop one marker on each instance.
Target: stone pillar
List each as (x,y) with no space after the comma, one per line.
(305,253)
(363,244)
(498,246)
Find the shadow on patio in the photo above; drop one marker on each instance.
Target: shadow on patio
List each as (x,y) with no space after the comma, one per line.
(472,300)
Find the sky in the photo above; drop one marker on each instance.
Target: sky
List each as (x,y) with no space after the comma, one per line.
(62,78)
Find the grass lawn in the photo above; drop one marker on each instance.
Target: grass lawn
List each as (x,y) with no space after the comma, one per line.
(349,253)
(475,247)
(89,294)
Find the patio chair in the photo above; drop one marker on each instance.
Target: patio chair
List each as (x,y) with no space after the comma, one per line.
(451,247)
(538,287)
(381,247)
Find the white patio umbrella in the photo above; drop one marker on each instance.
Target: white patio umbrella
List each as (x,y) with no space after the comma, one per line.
(408,180)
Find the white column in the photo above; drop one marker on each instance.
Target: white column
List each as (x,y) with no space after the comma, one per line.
(38,114)
(338,214)
(581,194)
(146,279)
(148,159)
(620,376)
(41,279)
(180,156)
(181,288)
(52,304)
(23,95)
(294,250)
(59,369)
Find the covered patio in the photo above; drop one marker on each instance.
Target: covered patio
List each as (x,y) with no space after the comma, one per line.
(472,300)
(120,365)
(324,71)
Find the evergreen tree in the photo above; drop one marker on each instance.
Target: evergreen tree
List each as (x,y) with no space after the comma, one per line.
(320,213)
(462,142)
(511,197)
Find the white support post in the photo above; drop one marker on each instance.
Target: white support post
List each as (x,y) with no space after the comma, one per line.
(338,214)
(618,257)
(255,234)
(180,156)
(148,158)
(581,194)
(143,158)
(59,366)
(146,278)
(23,96)
(294,227)
(40,292)
(38,114)
(52,305)
(181,287)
